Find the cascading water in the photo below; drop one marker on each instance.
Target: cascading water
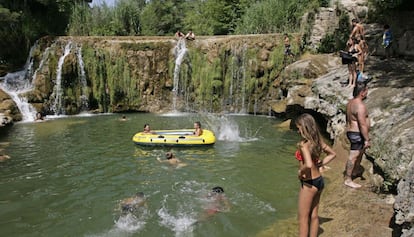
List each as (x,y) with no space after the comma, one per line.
(17,83)
(57,90)
(237,91)
(82,76)
(42,62)
(180,51)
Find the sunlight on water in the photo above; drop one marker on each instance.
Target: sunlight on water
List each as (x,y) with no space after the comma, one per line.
(176,114)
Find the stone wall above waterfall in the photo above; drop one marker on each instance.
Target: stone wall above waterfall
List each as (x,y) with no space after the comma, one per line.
(105,74)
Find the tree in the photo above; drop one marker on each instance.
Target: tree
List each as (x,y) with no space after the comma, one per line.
(23,22)
(214,17)
(162,17)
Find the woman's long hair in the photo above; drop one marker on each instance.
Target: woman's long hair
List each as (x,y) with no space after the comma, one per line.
(310,132)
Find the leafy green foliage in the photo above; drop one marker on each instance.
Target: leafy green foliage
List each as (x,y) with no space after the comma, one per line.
(270,16)
(23,22)
(122,20)
(162,17)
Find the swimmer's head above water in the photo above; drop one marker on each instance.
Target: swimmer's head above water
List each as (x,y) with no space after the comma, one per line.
(218,189)
(139,194)
(169,155)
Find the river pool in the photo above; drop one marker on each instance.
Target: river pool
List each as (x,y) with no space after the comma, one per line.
(67,175)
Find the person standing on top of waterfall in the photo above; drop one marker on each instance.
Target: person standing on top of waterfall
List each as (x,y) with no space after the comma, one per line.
(358,124)
(190,35)
(286,41)
(179,34)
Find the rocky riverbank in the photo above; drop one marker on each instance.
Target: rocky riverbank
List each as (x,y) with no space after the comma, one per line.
(317,89)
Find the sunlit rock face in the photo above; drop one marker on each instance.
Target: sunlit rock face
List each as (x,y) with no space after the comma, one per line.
(157,74)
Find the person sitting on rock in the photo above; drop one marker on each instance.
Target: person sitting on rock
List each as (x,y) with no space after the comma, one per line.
(179,34)
(190,36)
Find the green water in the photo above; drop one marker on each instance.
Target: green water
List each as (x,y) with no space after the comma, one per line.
(66,177)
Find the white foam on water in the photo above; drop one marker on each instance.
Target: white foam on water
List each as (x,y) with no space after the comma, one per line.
(175,114)
(130,223)
(126,225)
(226,129)
(182,224)
(179,219)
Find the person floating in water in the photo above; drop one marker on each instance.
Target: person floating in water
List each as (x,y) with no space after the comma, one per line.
(131,204)
(39,117)
(198,131)
(172,160)
(123,118)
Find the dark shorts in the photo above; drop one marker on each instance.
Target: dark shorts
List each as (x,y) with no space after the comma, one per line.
(287,50)
(356,139)
(317,183)
(127,208)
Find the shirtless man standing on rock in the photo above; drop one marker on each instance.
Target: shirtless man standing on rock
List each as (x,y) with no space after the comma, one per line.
(357,30)
(358,124)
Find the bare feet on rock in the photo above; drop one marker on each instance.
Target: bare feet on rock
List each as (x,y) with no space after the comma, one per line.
(352,184)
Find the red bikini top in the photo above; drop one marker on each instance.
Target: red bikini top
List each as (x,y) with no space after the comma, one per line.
(299,157)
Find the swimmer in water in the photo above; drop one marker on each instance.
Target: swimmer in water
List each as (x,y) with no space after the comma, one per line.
(172,160)
(216,202)
(131,204)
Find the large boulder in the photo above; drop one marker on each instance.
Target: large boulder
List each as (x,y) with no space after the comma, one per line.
(9,108)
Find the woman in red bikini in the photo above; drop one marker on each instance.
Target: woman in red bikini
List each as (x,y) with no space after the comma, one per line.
(310,148)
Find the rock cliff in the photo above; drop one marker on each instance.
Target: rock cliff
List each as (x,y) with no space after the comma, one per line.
(316,88)
(155,74)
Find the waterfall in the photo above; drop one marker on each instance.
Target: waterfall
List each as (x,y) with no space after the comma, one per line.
(237,90)
(82,76)
(42,62)
(57,90)
(179,51)
(15,84)
(243,80)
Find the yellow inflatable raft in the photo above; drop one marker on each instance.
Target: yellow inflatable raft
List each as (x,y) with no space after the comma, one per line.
(180,137)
